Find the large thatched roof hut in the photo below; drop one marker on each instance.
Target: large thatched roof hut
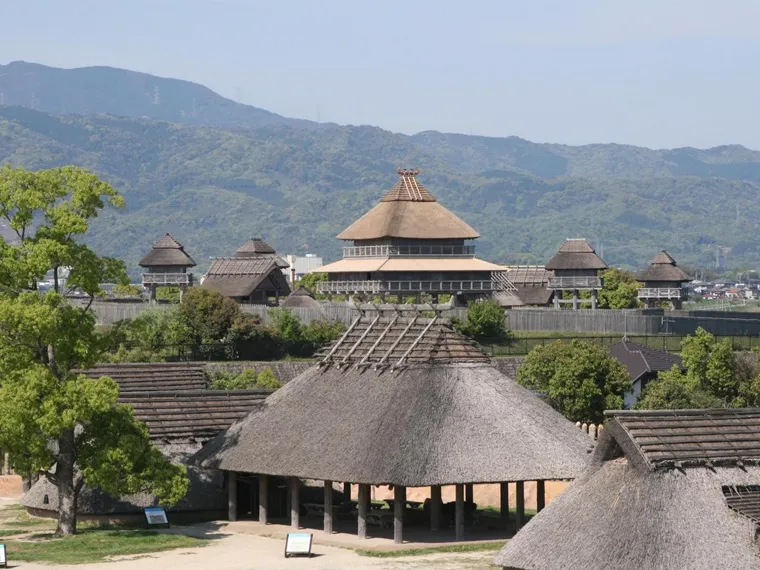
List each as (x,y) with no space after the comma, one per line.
(576,267)
(666,489)
(403,400)
(662,282)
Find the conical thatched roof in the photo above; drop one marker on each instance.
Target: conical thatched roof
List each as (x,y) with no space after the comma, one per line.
(408,210)
(575,253)
(254,246)
(301,298)
(666,489)
(663,268)
(167,252)
(406,401)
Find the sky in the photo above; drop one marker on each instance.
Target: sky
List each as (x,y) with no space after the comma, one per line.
(655,73)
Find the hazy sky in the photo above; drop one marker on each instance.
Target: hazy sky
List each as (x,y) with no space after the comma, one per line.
(659,73)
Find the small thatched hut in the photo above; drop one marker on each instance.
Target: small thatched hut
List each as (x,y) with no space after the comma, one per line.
(666,490)
(576,267)
(401,400)
(531,286)
(663,282)
(253,275)
(167,264)
(301,298)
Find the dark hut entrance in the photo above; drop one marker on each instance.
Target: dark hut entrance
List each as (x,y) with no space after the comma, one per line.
(248,498)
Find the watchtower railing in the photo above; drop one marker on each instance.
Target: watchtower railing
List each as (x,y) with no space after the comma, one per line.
(167,278)
(661,293)
(409,251)
(579,282)
(377,286)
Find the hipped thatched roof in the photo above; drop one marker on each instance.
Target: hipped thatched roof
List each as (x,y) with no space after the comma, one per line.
(301,298)
(575,253)
(254,246)
(640,359)
(663,268)
(167,252)
(241,276)
(658,494)
(408,210)
(410,403)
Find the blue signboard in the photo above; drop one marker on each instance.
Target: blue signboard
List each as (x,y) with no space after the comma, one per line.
(156,516)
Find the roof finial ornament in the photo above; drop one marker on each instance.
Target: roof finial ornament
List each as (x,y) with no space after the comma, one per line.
(408,171)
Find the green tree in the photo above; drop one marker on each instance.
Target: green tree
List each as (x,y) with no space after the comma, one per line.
(484,322)
(620,290)
(579,379)
(207,314)
(54,421)
(310,281)
(286,325)
(674,390)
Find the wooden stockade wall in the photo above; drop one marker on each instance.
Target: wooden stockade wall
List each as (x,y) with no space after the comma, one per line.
(593,430)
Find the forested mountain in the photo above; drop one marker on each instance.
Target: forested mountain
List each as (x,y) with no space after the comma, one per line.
(297,184)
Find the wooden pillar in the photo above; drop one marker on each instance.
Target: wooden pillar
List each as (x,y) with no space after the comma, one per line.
(557,295)
(399,504)
(263,499)
(328,502)
(435,508)
(540,496)
(504,500)
(347,492)
(575,299)
(294,503)
(363,510)
(469,493)
(520,520)
(459,513)
(232,495)
(594,298)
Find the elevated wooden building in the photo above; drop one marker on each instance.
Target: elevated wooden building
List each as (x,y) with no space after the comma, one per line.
(400,400)
(666,490)
(253,275)
(167,264)
(663,282)
(576,268)
(409,245)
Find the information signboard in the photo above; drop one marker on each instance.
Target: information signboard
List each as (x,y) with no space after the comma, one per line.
(298,544)
(3,559)
(156,516)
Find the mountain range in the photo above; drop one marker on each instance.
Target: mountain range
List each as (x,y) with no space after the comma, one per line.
(214,172)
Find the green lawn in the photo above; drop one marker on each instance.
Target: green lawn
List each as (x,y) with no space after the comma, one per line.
(94,545)
(477,547)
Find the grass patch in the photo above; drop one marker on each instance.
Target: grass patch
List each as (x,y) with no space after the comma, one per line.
(477,547)
(97,545)
(10,532)
(26,523)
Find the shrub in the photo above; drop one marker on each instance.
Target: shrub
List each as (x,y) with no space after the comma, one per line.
(247,379)
(484,322)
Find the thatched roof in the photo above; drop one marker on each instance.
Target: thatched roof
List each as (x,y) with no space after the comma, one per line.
(301,298)
(241,276)
(408,210)
(666,489)
(640,359)
(253,247)
(167,252)
(411,403)
(575,254)
(663,268)
(528,274)
(152,376)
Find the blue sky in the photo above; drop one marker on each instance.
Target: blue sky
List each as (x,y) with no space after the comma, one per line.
(657,73)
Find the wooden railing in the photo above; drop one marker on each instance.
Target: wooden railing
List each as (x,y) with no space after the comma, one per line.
(660,293)
(409,251)
(404,286)
(167,278)
(581,282)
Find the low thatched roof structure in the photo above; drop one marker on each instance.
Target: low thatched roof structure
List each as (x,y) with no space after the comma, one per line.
(301,298)
(663,268)
(412,403)
(167,252)
(241,276)
(255,247)
(408,210)
(144,377)
(575,253)
(668,490)
(531,284)
(640,359)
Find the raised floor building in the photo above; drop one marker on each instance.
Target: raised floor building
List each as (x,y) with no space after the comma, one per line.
(662,282)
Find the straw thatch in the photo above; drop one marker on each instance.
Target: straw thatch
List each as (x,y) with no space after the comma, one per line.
(301,298)
(241,276)
(254,247)
(408,210)
(167,252)
(575,254)
(663,268)
(154,376)
(666,490)
(640,360)
(402,401)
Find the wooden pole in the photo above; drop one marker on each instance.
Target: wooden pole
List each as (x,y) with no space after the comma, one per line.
(347,492)
(435,508)
(469,493)
(459,513)
(232,495)
(328,522)
(363,510)
(399,504)
(540,496)
(263,499)
(520,520)
(504,500)
(294,503)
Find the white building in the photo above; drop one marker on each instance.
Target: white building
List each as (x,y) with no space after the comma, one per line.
(299,266)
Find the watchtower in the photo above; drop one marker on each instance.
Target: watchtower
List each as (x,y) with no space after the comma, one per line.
(576,268)
(663,282)
(167,265)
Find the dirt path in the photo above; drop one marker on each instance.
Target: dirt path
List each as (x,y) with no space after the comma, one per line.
(246,552)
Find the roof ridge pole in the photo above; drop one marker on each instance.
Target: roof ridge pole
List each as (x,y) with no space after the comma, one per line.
(379,340)
(340,341)
(417,340)
(361,338)
(398,340)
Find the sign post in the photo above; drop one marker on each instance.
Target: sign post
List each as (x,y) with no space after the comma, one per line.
(298,544)
(3,558)
(156,516)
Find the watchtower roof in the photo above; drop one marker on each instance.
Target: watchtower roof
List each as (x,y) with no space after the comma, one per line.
(167,252)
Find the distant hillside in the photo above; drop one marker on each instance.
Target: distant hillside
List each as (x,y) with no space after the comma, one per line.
(92,90)
(298,187)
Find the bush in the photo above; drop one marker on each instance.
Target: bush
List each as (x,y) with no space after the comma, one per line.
(484,322)
(248,379)
(207,315)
